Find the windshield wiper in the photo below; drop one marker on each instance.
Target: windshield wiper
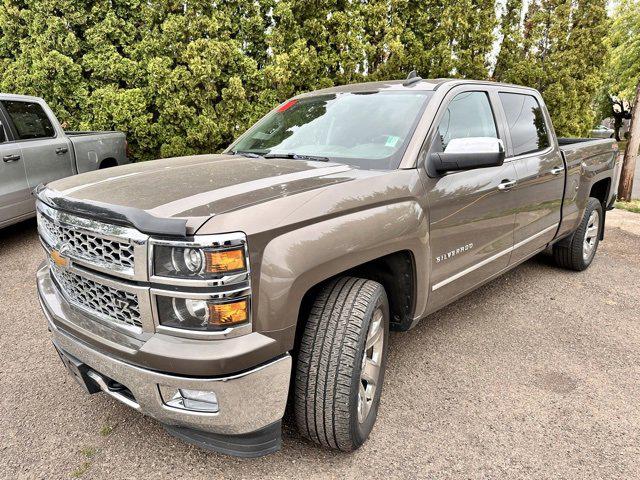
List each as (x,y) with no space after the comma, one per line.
(247,154)
(298,156)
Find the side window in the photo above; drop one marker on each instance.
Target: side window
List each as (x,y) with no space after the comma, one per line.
(526,123)
(29,119)
(3,135)
(468,115)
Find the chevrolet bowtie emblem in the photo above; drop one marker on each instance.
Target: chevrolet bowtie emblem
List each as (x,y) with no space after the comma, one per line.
(58,256)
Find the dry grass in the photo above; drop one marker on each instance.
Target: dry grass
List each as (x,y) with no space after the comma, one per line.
(632,206)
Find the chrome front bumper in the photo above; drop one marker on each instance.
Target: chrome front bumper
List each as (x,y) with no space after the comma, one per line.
(248,401)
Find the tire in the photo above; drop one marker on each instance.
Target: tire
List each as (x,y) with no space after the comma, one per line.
(573,254)
(328,382)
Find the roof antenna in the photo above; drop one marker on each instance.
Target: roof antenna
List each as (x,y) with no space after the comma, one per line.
(411,78)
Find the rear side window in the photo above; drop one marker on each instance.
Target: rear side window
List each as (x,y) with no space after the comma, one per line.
(29,120)
(468,115)
(526,123)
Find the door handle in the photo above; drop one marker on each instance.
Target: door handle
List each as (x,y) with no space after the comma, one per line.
(506,185)
(556,170)
(11,158)
(61,150)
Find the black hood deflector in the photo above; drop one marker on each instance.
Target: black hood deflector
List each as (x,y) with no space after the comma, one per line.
(126,216)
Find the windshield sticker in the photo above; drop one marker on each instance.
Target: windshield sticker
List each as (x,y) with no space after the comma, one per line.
(391,141)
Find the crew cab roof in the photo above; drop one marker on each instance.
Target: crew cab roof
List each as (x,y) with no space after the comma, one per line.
(24,98)
(398,85)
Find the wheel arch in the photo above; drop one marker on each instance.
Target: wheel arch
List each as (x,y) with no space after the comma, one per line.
(108,163)
(380,244)
(396,272)
(601,190)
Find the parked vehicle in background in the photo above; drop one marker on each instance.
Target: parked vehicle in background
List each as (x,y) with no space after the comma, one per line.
(35,149)
(197,289)
(602,131)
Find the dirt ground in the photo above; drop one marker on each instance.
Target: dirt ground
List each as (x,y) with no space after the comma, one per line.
(535,375)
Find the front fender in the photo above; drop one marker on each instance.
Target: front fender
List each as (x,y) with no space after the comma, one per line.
(295,261)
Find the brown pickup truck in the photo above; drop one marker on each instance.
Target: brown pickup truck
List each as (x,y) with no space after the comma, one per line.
(207,291)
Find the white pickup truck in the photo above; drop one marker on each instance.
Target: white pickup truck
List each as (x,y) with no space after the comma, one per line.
(35,149)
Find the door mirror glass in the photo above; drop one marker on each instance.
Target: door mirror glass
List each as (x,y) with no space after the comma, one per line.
(468,153)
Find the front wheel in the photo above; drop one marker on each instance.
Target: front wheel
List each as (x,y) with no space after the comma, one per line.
(578,252)
(341,363)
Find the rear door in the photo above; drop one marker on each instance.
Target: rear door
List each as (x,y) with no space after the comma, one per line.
(15,198)
(534,154)
(46,152)
(471,212)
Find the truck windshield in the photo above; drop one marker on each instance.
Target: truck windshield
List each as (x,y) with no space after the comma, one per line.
(367,130)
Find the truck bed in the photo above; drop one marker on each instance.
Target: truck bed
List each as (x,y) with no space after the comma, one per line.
(580,150)
(586,161)
(566,143)
(92,148)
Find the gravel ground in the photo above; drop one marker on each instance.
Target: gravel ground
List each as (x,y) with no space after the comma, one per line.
(535,375)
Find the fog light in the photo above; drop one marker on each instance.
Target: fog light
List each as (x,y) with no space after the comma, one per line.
(187,399)
(199,400)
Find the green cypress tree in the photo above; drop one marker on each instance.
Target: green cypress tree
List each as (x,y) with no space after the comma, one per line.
(176,77)
(511,41)
(559,49)
(623,69)
(447,39)
(39,45)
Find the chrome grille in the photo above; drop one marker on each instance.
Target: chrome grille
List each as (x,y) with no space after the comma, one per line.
(114,304)
(86,246)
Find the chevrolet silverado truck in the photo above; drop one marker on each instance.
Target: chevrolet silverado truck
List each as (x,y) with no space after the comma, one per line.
(35,149)
(209,292)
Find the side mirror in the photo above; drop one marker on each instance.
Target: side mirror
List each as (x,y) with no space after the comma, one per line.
(468,153)
(3,135)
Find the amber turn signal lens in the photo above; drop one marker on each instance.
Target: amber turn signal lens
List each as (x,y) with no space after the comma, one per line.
(228,314)
(225,261)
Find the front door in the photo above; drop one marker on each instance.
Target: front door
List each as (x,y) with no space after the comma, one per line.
(472,211)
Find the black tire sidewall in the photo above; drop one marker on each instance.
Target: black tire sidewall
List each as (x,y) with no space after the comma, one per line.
(592,205)
(360,431)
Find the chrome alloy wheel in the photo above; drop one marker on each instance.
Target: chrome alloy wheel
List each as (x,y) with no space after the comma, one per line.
(591,235)
(371,363)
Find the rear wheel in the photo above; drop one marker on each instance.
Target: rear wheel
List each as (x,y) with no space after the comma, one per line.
(578,252)
(341,363)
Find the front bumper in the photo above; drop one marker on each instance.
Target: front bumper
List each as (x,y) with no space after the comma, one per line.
(250,401)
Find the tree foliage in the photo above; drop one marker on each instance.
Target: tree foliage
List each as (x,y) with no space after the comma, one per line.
(188,76)
(558,48)
(623,72)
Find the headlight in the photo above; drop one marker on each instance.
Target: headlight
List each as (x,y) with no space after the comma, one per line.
(198,263)
(200,314)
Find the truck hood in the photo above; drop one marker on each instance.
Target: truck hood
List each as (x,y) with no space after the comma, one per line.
(199,187)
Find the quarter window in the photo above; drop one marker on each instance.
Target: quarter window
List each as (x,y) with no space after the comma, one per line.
(29,120)
(468,115)
(526,123)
